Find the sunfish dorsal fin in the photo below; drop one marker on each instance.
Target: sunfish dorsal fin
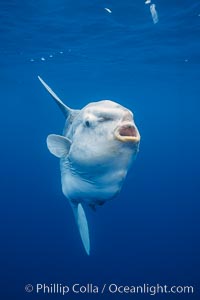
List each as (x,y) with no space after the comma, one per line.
(58,145)
(64,108)
(82,225)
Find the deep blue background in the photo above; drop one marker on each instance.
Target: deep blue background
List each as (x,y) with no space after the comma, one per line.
(150,233)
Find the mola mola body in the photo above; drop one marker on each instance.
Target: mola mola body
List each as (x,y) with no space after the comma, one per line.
(97,147)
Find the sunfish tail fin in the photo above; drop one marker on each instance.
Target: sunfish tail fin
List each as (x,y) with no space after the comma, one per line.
(82,224)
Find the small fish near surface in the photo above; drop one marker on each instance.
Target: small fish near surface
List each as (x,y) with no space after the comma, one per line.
(97,147)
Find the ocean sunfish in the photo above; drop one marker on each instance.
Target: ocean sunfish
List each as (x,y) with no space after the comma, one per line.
(98,145)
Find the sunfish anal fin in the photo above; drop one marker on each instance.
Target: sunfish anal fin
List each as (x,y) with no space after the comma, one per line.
(82,225)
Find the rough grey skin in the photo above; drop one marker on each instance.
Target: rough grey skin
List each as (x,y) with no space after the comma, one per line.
(98,145)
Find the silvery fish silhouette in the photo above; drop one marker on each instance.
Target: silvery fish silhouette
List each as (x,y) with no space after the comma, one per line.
(98,145)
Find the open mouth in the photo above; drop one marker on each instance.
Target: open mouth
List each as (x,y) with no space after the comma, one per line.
(127,133)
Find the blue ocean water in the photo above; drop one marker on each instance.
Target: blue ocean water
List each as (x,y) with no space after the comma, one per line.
(150,233)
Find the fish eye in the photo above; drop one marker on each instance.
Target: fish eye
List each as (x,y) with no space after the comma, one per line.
(87,123)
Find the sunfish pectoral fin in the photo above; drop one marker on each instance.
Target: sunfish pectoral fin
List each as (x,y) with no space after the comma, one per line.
(82,225)
(58,145)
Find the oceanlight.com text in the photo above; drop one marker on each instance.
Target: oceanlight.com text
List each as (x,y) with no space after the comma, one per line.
(111,288)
